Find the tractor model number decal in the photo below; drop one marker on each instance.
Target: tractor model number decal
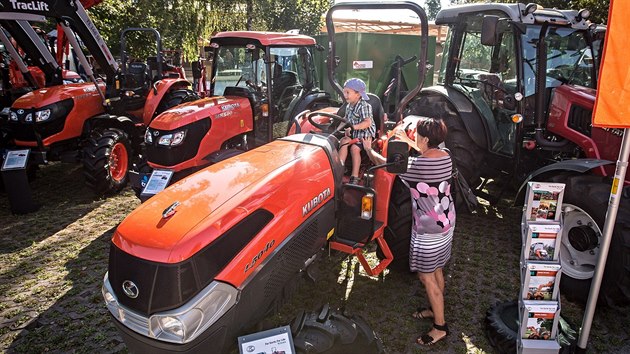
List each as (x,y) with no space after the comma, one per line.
(317,200)
(258,256)
(230,106)
(33,5)
(223,114)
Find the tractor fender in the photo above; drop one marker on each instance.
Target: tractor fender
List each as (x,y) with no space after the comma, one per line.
(577,165)
(477,128)
(156,94)
(111,121)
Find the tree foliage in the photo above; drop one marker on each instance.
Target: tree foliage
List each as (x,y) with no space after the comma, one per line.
(188,24)
(432,8)
(598,8)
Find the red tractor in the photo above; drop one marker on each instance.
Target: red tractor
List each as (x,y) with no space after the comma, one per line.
(200,262)
(260,81)
(517,88)
(100,123)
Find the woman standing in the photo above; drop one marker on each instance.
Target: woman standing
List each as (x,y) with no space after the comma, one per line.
(433,216)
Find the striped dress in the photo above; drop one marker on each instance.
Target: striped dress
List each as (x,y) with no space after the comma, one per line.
(433,212)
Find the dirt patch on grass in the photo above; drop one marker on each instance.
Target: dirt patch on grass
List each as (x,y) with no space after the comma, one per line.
(52,264)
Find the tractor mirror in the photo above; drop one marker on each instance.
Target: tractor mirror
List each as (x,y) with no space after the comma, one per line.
(397,155)
(489,30)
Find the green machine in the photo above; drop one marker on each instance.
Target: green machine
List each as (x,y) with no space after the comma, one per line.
(373,57)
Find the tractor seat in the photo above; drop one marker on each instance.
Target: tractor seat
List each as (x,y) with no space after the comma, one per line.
(137,77)
(378,113)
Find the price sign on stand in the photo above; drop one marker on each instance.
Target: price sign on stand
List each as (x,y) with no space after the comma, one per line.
(157,182)
(15,160)
(273,341)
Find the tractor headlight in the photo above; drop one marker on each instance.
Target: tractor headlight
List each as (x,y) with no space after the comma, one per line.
(172,139)
(13,116)
(186,323)
(148,138)
(42,115)
(29,117)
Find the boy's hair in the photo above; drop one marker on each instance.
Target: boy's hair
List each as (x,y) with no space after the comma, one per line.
(432,128)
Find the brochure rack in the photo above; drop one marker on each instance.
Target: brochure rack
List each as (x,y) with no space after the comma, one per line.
(539,303)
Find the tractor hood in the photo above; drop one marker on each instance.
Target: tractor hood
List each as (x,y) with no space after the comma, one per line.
(46,96)
(282,178)
(214,107)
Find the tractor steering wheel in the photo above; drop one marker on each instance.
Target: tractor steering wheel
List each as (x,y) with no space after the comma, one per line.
(330,128)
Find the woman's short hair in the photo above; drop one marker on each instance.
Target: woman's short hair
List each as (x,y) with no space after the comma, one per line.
(432,128)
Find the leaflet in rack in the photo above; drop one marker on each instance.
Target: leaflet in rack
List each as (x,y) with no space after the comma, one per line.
(542,242)
(543,202)
(541,281)
(540,319)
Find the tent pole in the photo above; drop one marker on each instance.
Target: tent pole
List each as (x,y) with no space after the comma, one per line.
(609,224)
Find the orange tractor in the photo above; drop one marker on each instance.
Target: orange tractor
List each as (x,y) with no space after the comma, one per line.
(216,252)
(259,82)
(100,123)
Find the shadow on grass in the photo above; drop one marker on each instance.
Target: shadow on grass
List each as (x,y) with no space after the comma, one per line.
(60,190)
(78,321)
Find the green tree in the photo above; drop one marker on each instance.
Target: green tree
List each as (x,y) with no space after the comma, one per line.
(433,7)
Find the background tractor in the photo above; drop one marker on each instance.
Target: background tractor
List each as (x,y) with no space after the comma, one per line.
(259,82)
(517,88)
(100,123)
(200,262)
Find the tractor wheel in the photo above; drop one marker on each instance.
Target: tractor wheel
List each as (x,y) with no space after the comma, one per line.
(175,98)
(331,332)
(467,155)
(398,230)
(584,210)
(502,327)
(106,160)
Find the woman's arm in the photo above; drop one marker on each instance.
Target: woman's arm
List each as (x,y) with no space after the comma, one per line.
(374,156)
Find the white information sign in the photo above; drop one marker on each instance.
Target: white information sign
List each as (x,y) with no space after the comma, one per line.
(273,341)
(157,182)
(362,64)
(15,160)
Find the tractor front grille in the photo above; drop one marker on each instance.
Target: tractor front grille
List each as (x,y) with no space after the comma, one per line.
(580,119)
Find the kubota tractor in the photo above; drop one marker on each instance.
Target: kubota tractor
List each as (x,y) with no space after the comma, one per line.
(260,81)
(517,88)
(213,254)
(100,123)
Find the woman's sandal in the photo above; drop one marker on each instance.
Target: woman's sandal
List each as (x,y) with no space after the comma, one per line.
(426,339)
(420,311)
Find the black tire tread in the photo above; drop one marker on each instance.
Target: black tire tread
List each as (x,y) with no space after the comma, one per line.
(398,230)
(96,151)
(174,98)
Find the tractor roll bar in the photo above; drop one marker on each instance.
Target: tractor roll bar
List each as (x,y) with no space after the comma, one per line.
(13,53)
(380,5)
(123,51)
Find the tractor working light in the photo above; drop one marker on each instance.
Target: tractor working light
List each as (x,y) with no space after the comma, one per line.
(42,115)
(367,204)
(13,116)
(172,139)
(148,138)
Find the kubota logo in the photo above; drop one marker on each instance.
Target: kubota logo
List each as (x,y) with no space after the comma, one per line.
(130,289)
(325,194)
(33,5)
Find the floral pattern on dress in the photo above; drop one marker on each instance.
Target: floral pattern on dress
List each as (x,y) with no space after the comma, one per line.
(432,207)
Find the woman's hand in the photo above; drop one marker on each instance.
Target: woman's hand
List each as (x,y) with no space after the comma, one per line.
(367,143)
(401,135)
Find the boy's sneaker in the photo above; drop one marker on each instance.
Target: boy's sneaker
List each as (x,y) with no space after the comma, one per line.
(353,180)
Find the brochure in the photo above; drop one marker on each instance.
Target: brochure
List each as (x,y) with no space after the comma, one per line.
(544,201)
(541,281)
(542,241)
(540,319)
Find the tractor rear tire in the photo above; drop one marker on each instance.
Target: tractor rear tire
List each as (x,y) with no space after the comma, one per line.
(175,98)
(398,230)
(467,155)
(332,332)
(502,328)
(106,156)
(584,208)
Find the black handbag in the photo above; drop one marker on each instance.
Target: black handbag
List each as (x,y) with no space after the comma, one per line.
(462,189)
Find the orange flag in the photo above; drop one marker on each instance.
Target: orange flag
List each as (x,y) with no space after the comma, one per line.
(612,106)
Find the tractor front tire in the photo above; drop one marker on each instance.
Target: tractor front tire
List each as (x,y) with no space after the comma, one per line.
(106,155)
(398,230)
(332,332)
(175,98)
